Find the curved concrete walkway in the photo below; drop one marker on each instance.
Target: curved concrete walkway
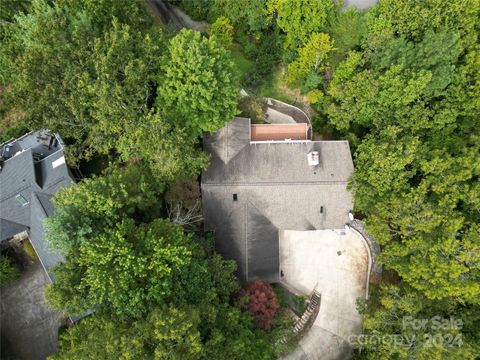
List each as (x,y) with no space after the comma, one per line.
(336,264)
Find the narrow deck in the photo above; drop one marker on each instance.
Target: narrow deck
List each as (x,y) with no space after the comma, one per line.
(279,132)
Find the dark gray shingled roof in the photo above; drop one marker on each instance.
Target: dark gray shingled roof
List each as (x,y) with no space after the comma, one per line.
(48,257)
(17,178)
(31,174)
(9,228)
(276,190)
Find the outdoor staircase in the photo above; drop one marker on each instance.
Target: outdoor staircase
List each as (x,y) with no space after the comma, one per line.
(312,309)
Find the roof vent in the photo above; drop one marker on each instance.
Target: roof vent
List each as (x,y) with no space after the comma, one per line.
(313,158)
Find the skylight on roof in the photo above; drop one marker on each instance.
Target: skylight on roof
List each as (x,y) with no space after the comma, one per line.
(21,199)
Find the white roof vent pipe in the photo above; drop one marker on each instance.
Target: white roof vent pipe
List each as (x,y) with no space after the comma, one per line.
(313,158)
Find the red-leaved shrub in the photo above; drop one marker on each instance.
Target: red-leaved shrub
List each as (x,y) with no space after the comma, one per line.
(261,302)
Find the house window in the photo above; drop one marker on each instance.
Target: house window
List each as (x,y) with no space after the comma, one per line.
(321,209)
(235,197)
(21,199)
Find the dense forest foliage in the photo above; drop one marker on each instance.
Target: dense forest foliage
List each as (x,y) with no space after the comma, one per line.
(400,81)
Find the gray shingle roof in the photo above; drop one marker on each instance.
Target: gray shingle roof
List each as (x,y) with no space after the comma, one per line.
(48,257)
(9,228)
(276,190)
(272,163)
(50,178)
(227,142)
(26,187)
(17,178)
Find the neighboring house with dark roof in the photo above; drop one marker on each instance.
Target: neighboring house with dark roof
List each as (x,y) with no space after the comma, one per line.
(32,170)
(254,189)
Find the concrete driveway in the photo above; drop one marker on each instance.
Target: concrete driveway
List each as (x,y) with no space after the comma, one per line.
(29,328)
(335,263)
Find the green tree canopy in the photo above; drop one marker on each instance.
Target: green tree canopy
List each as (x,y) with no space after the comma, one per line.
(129,268)
(312,57)
(393,331)
(199,88)
(83,211)
(413,19)
(110,82)
(250,14)
(53,51)
(298,19)
(410,98)
(222,29)
(188,332)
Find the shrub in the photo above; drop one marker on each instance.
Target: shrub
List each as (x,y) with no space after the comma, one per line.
(253,108)
(8,270)
(222,29)
(29,250)
(311,81)
(266,56)
(300,303)
(314,96)
(261,303)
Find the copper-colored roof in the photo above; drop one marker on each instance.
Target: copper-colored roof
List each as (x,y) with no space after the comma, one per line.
(266,132)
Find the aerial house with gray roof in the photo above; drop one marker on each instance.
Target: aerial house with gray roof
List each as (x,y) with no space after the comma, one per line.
(32,170)
(265,179)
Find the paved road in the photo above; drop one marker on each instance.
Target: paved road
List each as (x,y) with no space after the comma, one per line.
(29,328)
(360,4)
(174,17)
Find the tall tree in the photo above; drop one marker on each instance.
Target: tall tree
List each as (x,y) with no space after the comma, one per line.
(128,268)
(56,51)
(167,333)
(90,72)
(298,19)
(312,57)
(250,14)
(401,323)
(412,19)
(83,211)
(199,88)
(410,97)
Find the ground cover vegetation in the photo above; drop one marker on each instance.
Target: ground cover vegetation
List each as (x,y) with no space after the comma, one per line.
(399,80)
(8,270)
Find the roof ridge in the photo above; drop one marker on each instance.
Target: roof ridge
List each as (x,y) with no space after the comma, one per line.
(35,193)
(12,222)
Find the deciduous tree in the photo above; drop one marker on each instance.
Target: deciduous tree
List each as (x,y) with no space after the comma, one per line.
(400,323)
(300,18)
(250,14)
(83,211)
(311,57)
(261,302)
(199,89)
